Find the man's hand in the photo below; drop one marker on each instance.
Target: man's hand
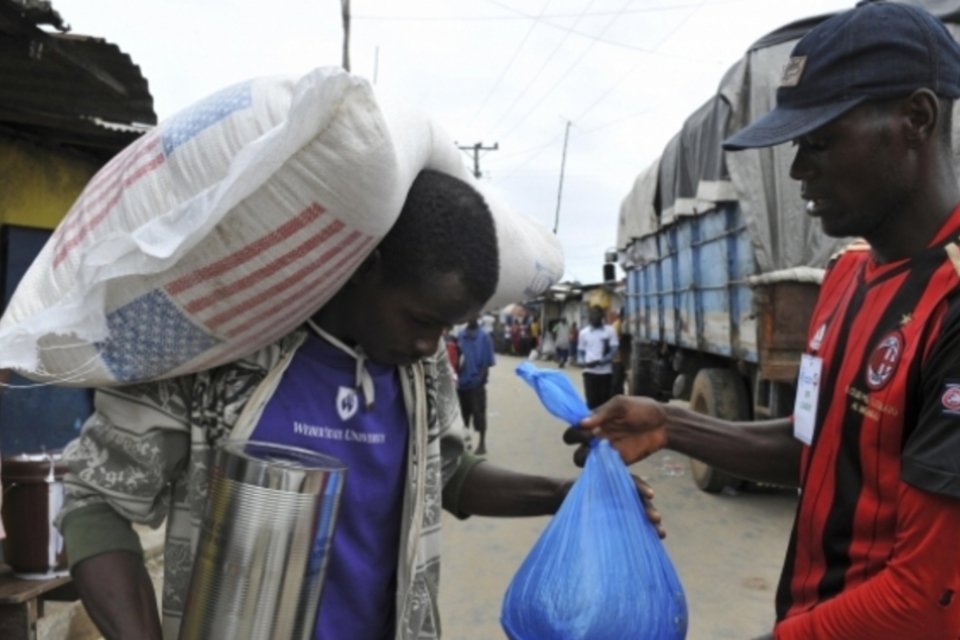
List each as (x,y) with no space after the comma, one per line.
(646,494)
(645,491)
(635,426)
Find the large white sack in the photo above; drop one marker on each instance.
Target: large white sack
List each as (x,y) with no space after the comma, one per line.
(228,225)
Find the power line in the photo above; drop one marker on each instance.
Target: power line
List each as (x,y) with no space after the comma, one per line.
(539,149)
(537,74)
(513,59)
(563,164)
(345,15)
(564,75)
(626,75)
(519,14)
(607,93)
(573,31)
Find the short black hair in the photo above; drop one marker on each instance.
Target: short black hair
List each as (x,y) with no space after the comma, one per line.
(445,226)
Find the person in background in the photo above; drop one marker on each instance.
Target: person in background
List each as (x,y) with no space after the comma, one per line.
(561,337)
(368,363)
(534,334)
(516,337)
(488,322)
(874,439)
(476,358)
(574,336)
(621,357)
(453,351)
(596,347)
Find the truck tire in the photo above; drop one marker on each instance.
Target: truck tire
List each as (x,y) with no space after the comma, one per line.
(722,394)
(641,379)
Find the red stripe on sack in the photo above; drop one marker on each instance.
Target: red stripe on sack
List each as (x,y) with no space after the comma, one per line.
(306,295)
(267,294)
(280,329)
(251,280)
(98,218)
(106,178)
(309,305)
(252,250)
(110,175)
(265,329)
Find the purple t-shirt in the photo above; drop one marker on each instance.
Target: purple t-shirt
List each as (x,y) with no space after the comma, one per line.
(316,407)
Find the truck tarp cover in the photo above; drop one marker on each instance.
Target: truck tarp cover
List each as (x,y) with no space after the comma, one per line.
(693,174)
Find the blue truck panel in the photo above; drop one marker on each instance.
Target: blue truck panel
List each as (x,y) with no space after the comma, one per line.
(685,315)
(690,287)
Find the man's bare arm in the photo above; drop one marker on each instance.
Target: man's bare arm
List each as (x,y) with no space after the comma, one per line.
(118,595)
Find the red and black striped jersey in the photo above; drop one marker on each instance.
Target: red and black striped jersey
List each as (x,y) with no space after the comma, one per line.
(888,412)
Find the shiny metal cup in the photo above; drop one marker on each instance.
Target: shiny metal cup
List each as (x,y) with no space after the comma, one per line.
(264,543)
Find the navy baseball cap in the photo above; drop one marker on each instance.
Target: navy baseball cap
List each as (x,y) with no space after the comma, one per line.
(876,50)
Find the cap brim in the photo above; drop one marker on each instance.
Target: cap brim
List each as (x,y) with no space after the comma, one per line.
(784,124)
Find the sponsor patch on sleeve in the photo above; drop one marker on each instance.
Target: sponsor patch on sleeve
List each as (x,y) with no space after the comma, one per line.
(950,398)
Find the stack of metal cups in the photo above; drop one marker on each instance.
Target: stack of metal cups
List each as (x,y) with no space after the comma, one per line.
(264,544)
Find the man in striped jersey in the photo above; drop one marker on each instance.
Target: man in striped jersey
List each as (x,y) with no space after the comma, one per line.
(874,440)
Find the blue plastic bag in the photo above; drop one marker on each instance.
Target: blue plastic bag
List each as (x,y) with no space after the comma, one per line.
(556,392)
(599,570)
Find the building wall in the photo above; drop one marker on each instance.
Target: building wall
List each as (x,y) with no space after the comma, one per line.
(38,185)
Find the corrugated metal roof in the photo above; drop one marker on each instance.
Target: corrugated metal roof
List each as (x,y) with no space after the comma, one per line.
(41,12)
(66,88)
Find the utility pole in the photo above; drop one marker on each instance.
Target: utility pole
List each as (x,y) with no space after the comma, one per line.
(476,149)
(563,164)
(345,11)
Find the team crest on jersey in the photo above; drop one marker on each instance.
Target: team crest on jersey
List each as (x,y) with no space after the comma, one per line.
(951,398)
(817,338)
(347,403)
(884,360)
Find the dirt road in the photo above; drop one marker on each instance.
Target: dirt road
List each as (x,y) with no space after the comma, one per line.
(727,549)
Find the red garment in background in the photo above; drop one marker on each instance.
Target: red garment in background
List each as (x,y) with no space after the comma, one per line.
(453,354)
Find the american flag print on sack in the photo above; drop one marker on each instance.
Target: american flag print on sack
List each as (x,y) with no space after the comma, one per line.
(145,156)
(255,293)
(149,337)
(298,266)
(295,269)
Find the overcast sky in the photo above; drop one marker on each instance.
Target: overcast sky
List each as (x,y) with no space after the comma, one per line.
(623,73)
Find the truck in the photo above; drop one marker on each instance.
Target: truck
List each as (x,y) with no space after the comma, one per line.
(722,266)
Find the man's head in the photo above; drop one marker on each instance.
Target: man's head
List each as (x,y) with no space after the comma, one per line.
(595,314)
(866,97)
(874,52)
(436,267)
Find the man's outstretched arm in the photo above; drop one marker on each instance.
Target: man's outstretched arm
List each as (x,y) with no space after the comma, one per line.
(117,593)
(638,427)
(490,490)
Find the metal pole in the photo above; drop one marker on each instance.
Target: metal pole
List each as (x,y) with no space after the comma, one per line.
(563,164)
(476,160)
(476,149)
(345,10)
